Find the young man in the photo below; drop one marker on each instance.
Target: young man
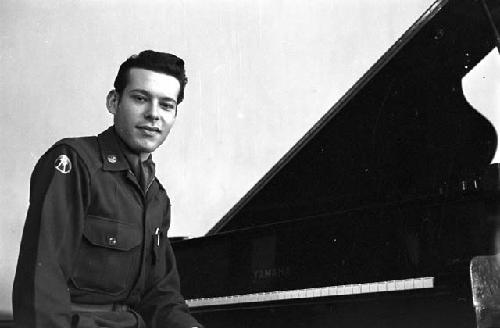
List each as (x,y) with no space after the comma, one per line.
(94,251)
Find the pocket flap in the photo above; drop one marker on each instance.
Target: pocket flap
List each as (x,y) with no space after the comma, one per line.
(112,234)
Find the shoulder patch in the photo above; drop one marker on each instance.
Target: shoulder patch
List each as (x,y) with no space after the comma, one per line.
(63,164)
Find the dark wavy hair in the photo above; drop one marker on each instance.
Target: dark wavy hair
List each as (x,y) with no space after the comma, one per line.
(159,62)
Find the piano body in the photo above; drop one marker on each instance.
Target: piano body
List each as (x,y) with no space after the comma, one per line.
(372,218)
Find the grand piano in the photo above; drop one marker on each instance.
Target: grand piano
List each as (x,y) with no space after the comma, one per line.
(373,217)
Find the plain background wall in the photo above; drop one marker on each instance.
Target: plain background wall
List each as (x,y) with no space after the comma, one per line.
(261,73)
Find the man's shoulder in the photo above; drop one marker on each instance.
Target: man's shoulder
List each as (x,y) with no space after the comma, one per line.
(87,148)
(79,143)
(67,154)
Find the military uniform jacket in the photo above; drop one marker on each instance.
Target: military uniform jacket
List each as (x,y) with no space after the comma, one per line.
(93,236)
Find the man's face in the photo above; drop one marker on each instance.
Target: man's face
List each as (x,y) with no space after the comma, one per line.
(146,110)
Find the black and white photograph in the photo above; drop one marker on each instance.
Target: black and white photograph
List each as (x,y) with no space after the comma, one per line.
(250,164)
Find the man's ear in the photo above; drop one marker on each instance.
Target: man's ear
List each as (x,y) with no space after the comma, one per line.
(112,101)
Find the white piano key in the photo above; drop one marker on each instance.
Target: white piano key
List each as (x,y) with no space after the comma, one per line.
(391,285)
(408,283)
(356,289)
(332,291)
(373,287)
(382,286)
(194,302)
(302,293)
(365,288)
(280,295)
(428,282)
(400,285)
(348,289)
(271,297)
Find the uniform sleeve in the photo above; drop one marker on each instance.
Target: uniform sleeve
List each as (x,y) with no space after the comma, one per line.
(59,190)
(162,305)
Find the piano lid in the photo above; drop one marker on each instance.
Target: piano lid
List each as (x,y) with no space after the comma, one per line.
(403,130)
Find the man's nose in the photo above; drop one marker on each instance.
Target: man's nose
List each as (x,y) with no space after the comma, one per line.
(153,110)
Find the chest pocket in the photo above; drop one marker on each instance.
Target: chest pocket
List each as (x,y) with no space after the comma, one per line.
(108,260)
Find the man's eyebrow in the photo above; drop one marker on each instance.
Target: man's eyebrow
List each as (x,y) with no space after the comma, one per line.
(149,95)
(169,99)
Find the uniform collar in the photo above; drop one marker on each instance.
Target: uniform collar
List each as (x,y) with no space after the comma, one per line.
(112,156)
(133,159)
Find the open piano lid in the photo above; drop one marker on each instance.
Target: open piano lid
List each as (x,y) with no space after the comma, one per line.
(404,130)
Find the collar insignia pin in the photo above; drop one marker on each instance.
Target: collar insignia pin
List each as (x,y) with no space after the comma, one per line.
(112,159)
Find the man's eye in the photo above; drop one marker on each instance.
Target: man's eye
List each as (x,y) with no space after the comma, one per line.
(168,106)
(139,98)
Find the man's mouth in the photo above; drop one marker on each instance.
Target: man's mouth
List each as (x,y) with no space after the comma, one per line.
(149,128)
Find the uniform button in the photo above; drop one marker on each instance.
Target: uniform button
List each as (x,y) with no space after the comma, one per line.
(112,241)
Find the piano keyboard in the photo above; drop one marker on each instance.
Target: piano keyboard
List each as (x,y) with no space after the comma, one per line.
(354,289)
